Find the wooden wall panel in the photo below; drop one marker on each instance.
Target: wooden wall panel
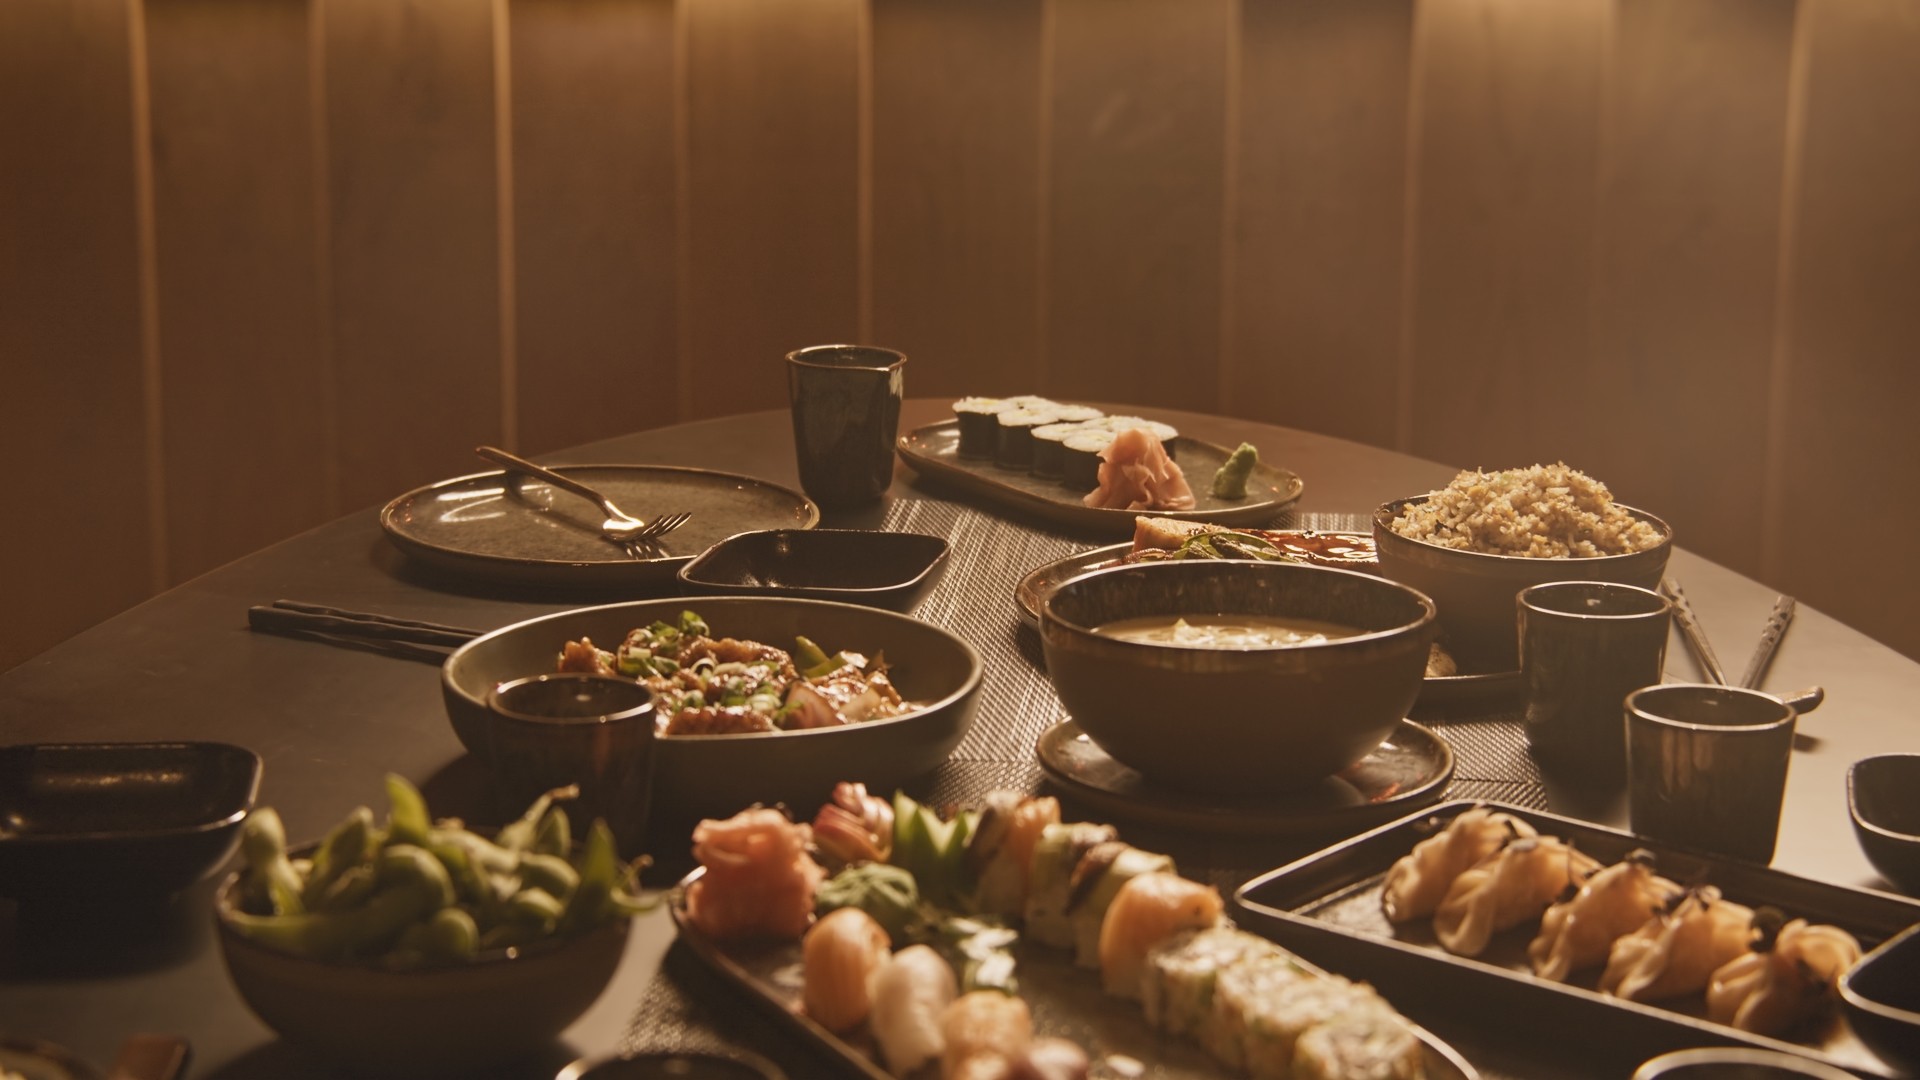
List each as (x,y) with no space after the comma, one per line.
(1137,202)
(415,245)
(245,376)
(594,219)
(772,160)
(1320,210)
(956,192)
(1848,379)
(1689,244)
(71,344)
(1508,113)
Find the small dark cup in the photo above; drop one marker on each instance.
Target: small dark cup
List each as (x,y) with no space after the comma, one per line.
(1584,646)
(846,414)
(1707,767)
(596,731)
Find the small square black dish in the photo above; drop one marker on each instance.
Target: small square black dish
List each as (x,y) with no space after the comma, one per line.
(1883,797)
(1881,995)
(151,818)
(880,569)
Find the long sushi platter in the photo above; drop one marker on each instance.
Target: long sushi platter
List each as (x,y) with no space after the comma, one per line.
(1003,942)
(1510,996)
(1057,494)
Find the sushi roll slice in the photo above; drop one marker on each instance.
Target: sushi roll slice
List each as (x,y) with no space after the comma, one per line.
(979,424)
(839,956)
(1182,971)
(1145,912)
(910,992)
(1001,851)
(1050,877)
(1364,1044)
(1014,450)
(1079,414)
(1272,1024)
(1099,878)
(1237,993)
(1080,458)
(1049,446)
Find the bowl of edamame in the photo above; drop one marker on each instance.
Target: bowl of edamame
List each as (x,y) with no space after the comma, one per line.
(420,948)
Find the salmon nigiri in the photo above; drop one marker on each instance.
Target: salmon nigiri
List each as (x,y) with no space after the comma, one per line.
(1148,909)
(839,956)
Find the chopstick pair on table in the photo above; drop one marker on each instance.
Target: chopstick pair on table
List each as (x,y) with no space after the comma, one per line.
(1776,628)
(408,639)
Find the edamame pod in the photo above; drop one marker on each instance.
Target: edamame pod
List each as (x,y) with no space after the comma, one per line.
(413,885)
(518,835)
(536,907)
(351,843)
(599,875)
(264,841)
(550,872)
(555,834)
(350,889)
(407,820)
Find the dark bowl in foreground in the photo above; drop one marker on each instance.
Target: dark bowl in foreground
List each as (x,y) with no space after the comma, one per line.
(1735,1063)
(1476,592)
(718,775)
(78,818)
(1883,798)
(860,566)
(675,1065)
(502,1005)
(1881,996)
(1237,719)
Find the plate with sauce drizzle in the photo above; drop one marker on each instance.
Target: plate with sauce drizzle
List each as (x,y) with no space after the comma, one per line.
(1345,550)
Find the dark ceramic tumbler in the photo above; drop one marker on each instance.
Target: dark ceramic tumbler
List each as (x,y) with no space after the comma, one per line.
(596,731)
(1584,646)
(846,414)
(1707,767)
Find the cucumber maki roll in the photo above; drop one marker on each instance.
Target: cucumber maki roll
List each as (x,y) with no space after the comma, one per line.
(1080,458)
(1014,449)
(979,424)
(1177,989)
(1049,447)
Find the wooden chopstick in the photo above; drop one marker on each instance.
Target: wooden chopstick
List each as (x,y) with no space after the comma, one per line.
(1690,629)
(408,639)
(1770,634)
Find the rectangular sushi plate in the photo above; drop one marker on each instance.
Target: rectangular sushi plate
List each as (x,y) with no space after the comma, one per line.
(1326,907)
(933,452)
(1066,1002)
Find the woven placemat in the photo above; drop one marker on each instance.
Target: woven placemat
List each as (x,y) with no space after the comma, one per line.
(689,1006)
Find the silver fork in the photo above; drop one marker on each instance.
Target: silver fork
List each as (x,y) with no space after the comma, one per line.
(632,533)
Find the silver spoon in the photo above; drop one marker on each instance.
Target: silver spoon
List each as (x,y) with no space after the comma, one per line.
(620,527)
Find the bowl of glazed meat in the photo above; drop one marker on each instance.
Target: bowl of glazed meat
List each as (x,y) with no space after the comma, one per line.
(1231,675)
(757,699)
(1476,543)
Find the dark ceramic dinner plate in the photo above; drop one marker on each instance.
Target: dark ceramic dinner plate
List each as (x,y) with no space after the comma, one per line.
(1483,690)
(153,818)
(1065,1002)
(1409,769)
(932,452)
(859,566)
(515,530)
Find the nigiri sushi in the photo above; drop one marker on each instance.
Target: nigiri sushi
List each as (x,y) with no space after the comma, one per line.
(839,956)
(910,991)
(1147,910)
(985,1023)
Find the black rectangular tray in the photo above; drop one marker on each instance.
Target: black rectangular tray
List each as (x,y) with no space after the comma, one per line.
(1326,907)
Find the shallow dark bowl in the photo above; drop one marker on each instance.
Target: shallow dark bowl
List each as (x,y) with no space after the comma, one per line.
(445,1021)
(76,818)
(1239,720)
(1883,797)
(674,1065)
(860,566)
(37,1060)
(1735,1063)
(718,775)
(1476,592)
(1881,996)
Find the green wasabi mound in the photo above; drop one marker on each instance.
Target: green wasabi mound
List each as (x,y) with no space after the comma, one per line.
(1231,481)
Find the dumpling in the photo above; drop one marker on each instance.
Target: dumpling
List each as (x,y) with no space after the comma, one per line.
(1677,952)
(1579,932)
(1787,977)
(1513,886)
(1419,880)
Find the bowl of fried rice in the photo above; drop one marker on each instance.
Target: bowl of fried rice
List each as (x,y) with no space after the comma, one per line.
(1475,544)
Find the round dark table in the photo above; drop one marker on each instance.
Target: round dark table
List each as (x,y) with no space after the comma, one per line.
(330,722)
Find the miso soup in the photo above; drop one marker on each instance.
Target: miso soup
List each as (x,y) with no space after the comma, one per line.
(1225,631)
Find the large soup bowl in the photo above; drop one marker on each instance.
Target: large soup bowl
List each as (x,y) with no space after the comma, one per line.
(1243,720)
(718,775)
(1476,592)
